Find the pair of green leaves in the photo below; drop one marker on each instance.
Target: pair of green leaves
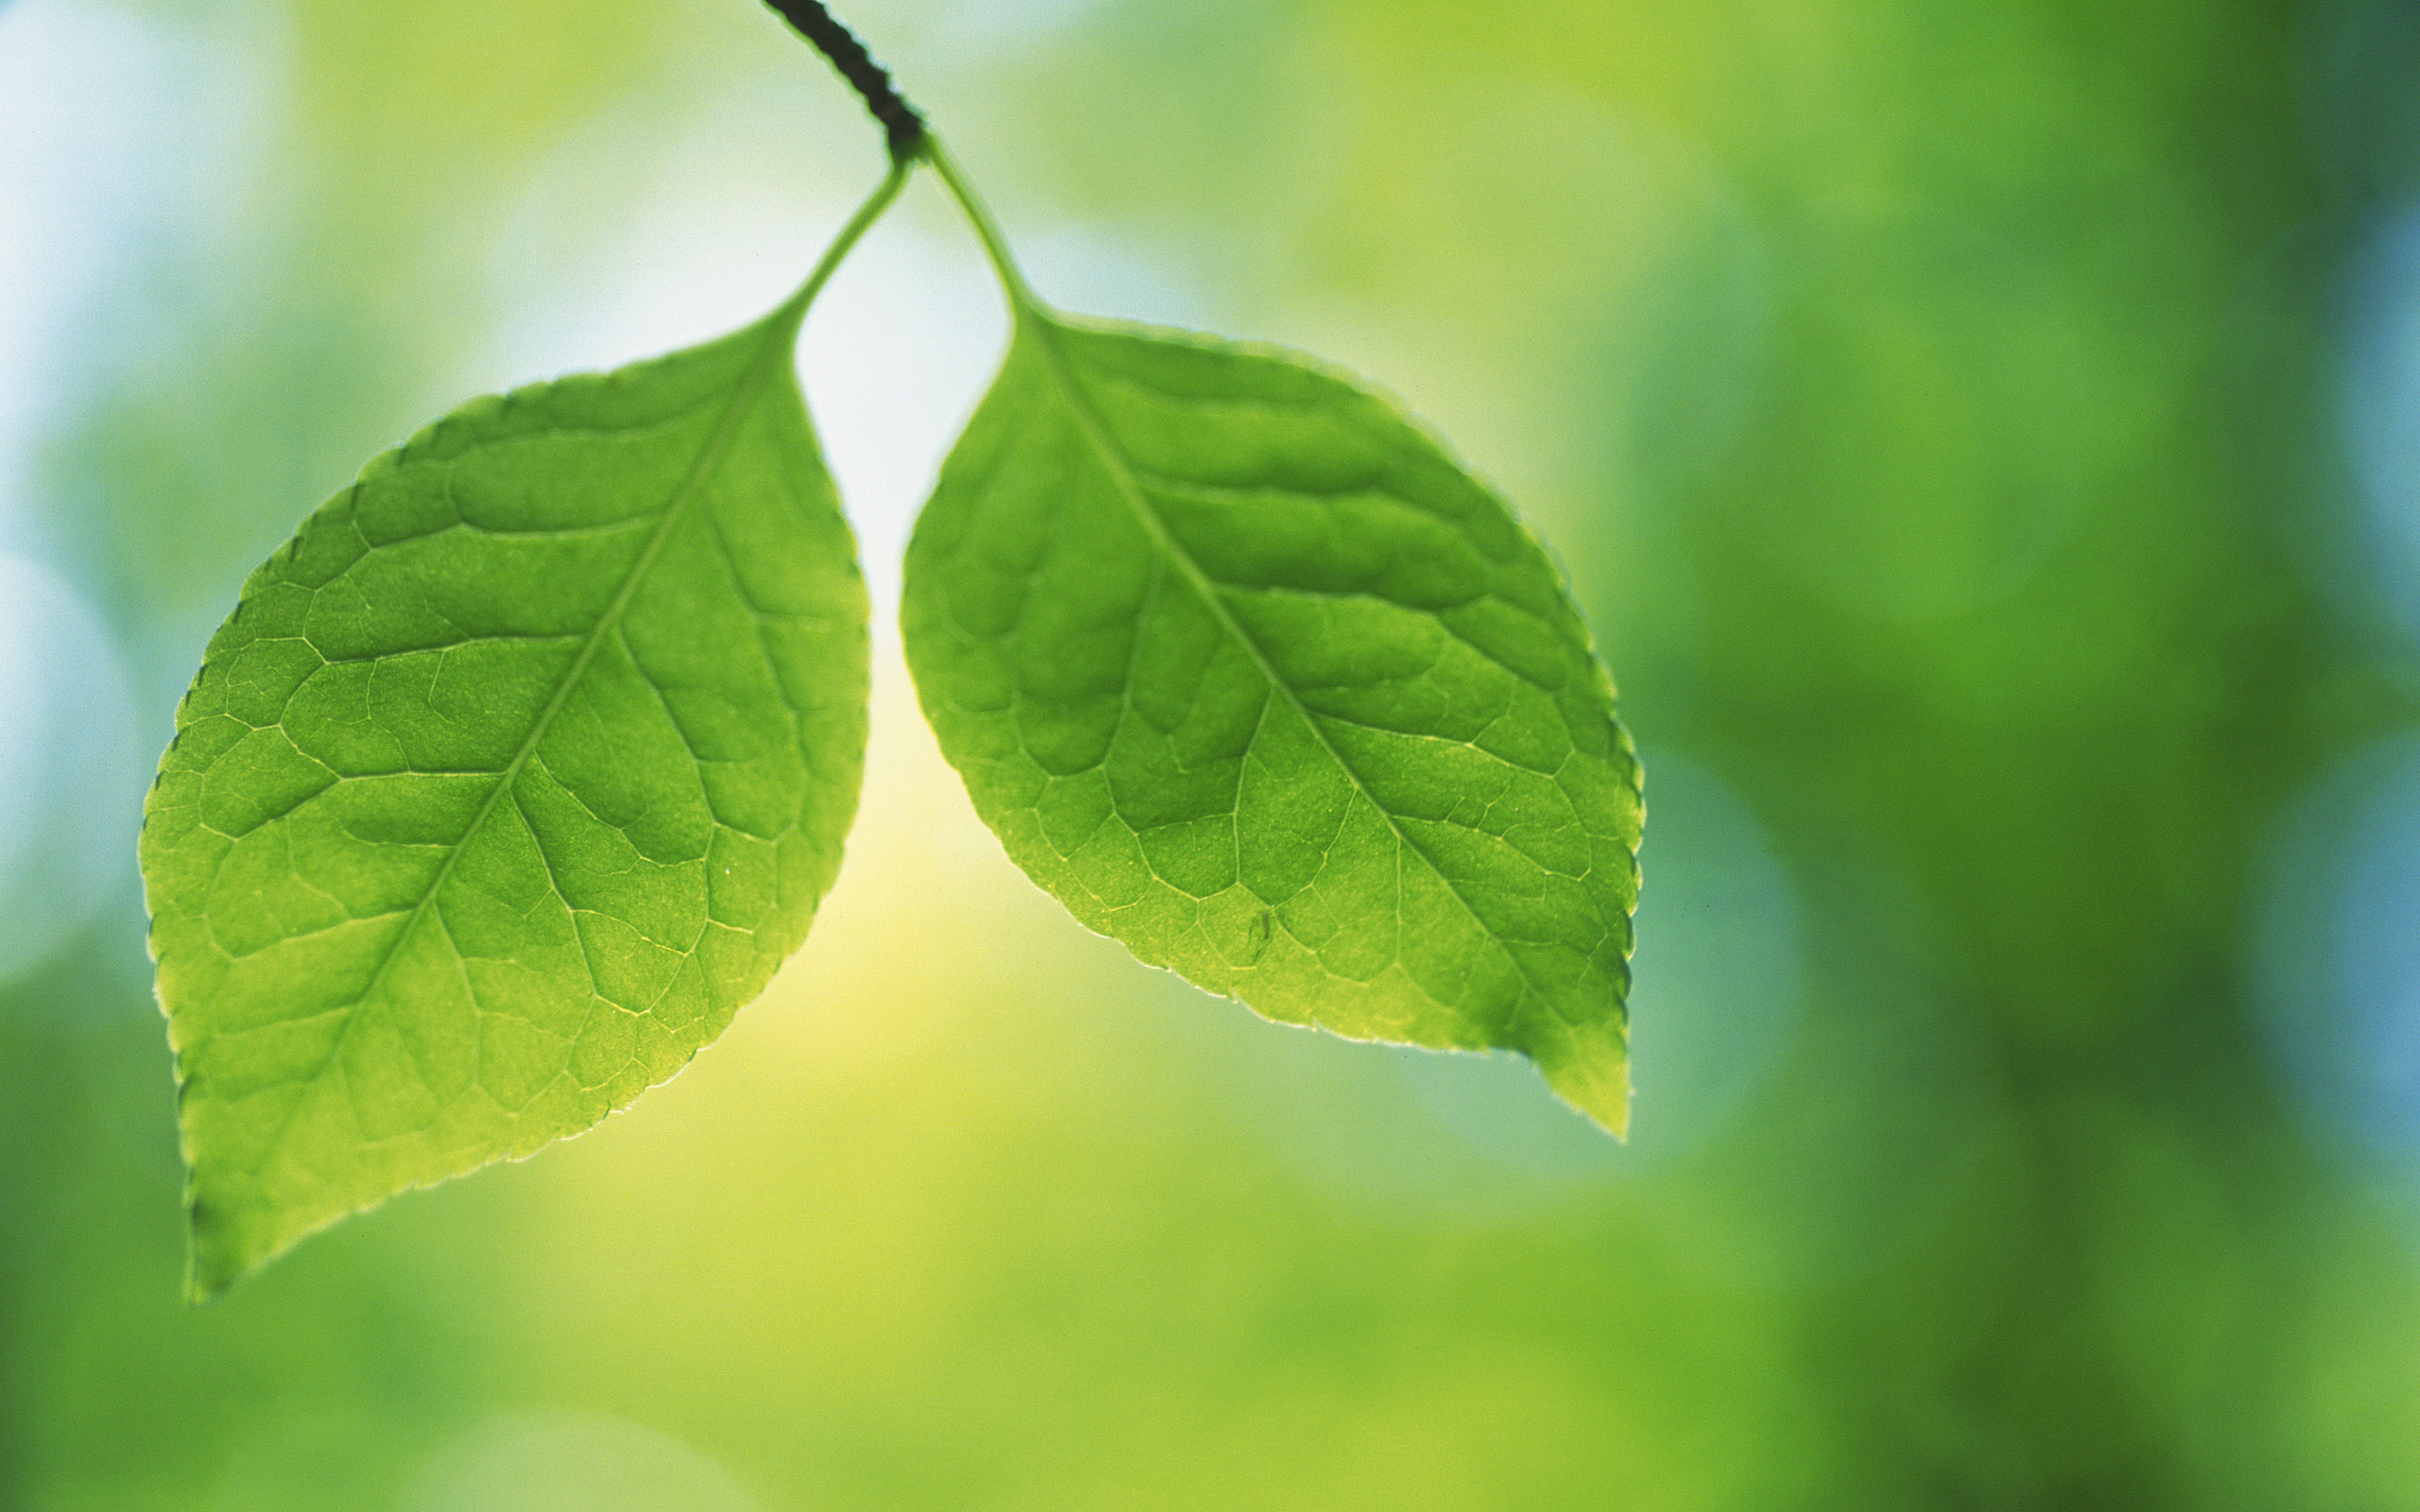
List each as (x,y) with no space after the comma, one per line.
(523,766)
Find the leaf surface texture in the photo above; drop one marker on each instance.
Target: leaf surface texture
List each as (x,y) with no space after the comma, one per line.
(511,779)
(1250,675)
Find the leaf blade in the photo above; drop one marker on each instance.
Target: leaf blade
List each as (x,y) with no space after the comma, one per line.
(1174,596)
(506,782)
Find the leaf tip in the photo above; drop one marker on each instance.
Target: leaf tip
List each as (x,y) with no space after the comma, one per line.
(209,1269)
(1590,1070)
(221,1250)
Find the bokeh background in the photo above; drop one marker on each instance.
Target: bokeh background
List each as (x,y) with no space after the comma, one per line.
(1986,436)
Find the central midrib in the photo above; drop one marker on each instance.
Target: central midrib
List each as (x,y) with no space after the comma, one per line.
(1121,470)
(709,457)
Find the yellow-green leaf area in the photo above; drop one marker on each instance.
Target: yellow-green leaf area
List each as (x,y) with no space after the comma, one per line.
(1250,674)
(509,780)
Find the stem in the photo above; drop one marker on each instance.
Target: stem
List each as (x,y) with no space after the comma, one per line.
(1021,296)
(902,121)
(858,224)
(911,142)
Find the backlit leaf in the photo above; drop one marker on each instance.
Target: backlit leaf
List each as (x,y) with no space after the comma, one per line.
(509,780)
(1249,674)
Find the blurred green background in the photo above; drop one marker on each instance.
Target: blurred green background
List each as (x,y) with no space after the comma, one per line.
(1987,436)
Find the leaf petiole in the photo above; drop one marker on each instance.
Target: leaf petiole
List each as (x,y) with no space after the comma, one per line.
(1021,296)
(794,309)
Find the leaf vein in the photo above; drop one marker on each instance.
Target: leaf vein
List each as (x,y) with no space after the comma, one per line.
(717,444)
(1116,462)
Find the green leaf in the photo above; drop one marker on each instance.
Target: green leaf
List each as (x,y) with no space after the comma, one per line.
(1245,671)
(509,780)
